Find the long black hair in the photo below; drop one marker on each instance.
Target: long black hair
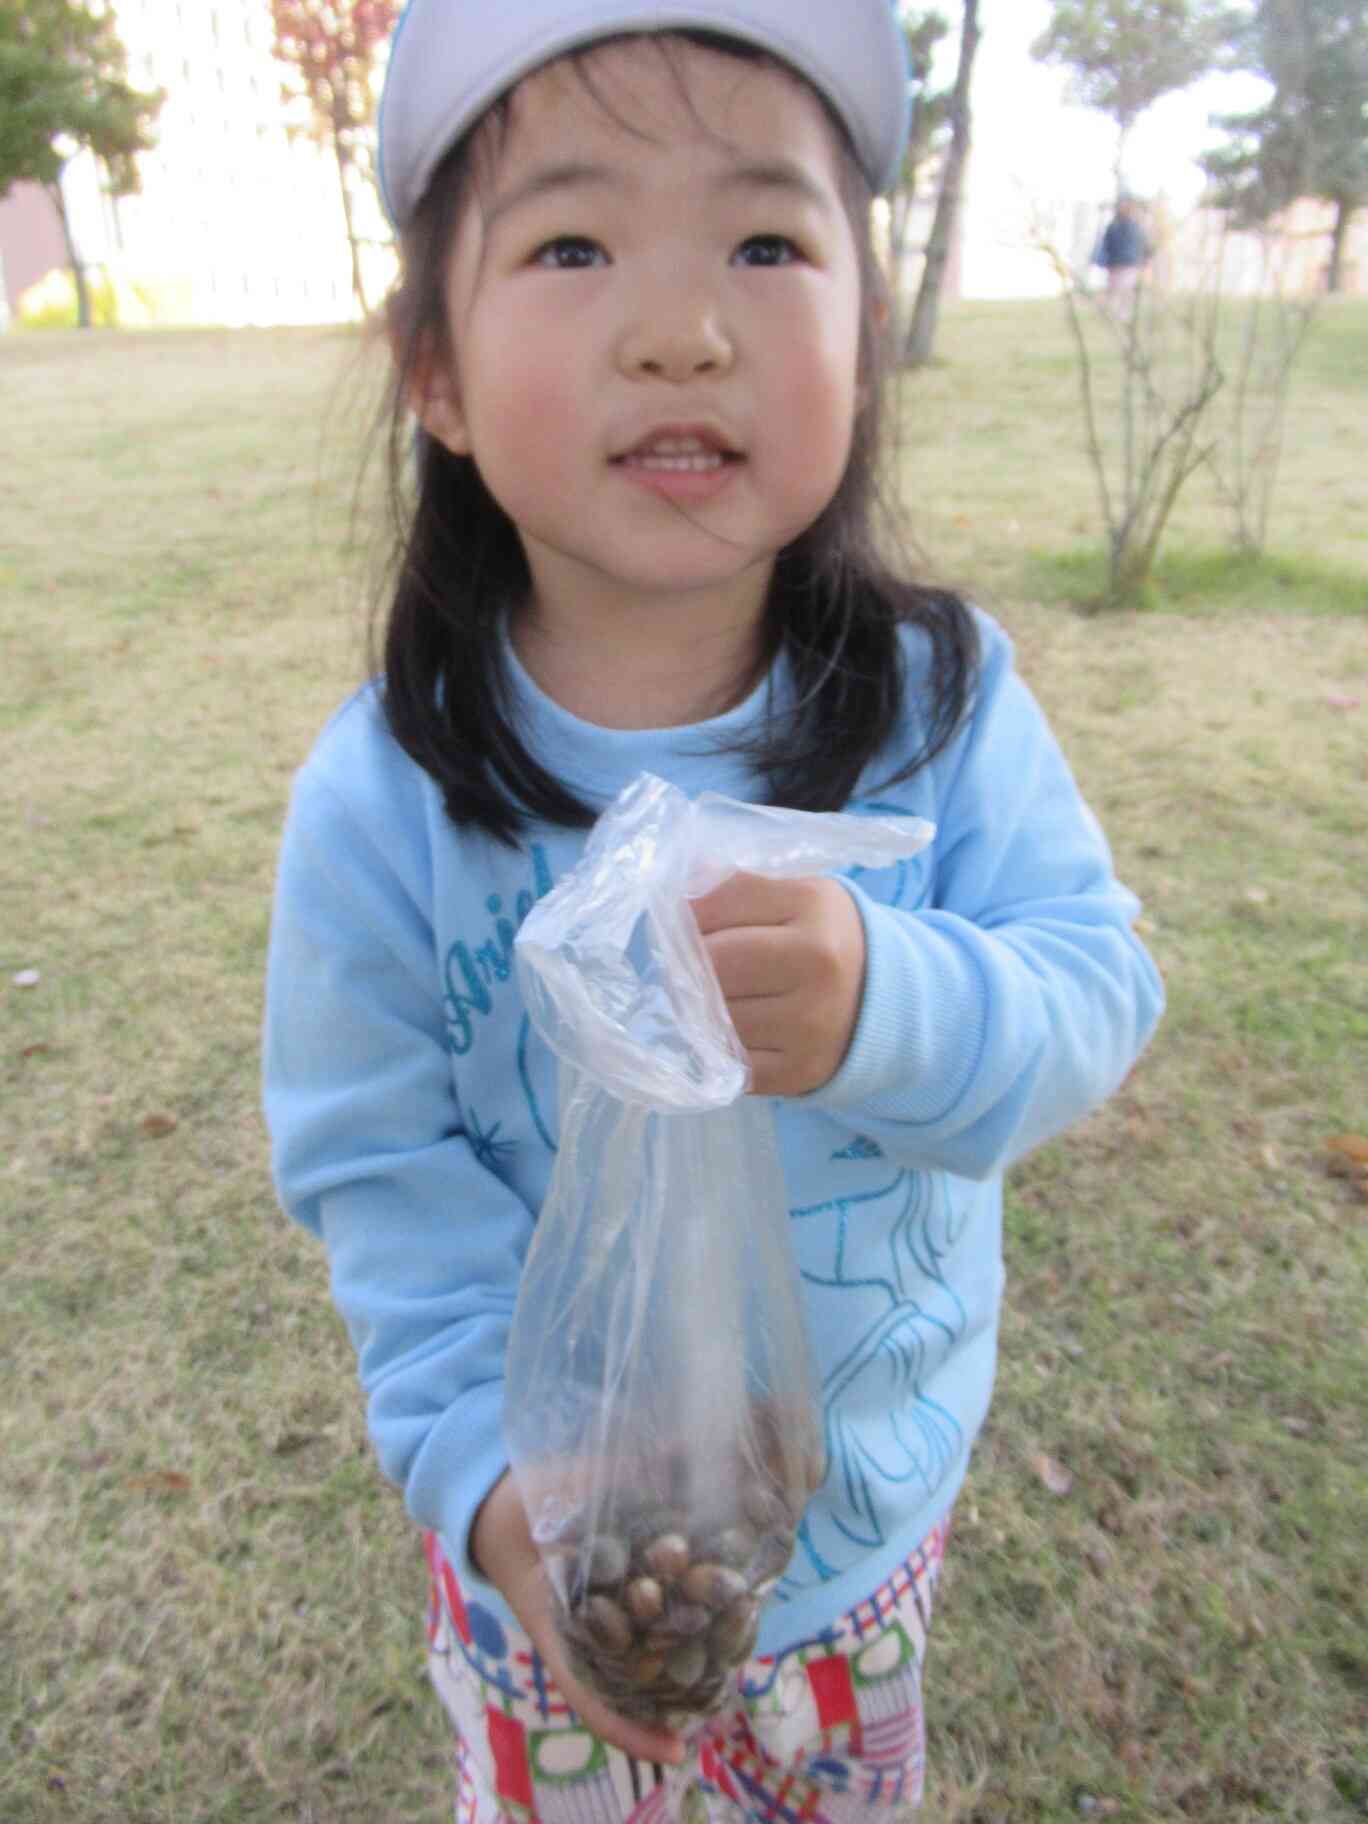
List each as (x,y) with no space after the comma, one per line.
(834,610)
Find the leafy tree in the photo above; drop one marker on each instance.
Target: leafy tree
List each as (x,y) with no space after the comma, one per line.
(63,87)
(1125,54)
(921,335)
(329,47)
(1311,137)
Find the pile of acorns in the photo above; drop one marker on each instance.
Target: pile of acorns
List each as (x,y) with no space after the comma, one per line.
(657,1614)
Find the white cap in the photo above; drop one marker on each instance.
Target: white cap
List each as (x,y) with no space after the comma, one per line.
(451,59)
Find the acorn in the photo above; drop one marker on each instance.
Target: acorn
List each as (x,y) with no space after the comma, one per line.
(604,1565)
(682,1620)
(668,1555)
(646,1668)
(607,1624)
(732,1634)
(713,1585)
(687,1664)
(645,1599)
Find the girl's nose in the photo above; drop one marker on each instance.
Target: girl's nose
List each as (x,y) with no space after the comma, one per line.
(676,339)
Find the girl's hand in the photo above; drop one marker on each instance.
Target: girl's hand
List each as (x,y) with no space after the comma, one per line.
(502,1547)
(790,956)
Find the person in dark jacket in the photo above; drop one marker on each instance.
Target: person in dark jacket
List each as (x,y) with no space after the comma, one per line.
(1123,252)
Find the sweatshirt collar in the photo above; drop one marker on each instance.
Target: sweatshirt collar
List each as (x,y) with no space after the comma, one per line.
(598,762)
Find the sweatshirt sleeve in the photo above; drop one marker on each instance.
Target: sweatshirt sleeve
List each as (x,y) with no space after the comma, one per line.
(1017,997)
(425,1245)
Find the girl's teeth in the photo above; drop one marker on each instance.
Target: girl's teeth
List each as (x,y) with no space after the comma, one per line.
(651,459)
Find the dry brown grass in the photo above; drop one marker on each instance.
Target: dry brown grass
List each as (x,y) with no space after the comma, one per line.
(210,1609)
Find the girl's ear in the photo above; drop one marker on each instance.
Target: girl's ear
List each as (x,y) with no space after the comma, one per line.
(435,399)
(433,394)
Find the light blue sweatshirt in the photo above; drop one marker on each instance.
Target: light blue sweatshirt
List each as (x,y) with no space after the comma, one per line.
(413,1110)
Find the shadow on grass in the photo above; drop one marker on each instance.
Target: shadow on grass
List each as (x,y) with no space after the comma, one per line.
(1205,582)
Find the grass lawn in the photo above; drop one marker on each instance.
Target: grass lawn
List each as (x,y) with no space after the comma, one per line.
(210,1606)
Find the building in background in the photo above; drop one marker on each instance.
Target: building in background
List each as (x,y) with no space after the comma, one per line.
(31,244)
(239,218)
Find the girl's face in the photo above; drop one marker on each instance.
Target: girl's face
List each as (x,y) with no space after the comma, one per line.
(653,315)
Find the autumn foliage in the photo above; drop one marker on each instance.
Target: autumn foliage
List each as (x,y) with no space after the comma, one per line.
(328,47)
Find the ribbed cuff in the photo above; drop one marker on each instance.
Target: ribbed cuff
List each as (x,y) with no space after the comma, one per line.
(920,1032)
(462,1460)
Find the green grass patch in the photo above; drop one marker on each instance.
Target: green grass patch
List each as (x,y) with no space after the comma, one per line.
(1206,582)
(210,1606)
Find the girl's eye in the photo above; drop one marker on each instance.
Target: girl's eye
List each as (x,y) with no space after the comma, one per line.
(767,250)
(570,253)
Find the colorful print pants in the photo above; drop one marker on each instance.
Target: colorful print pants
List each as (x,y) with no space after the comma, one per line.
(829,1732)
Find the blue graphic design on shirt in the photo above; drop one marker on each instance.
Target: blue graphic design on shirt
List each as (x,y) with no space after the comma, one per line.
(485,1143)
(530,1094)
(861,1147)
(471,974)
(881,1428)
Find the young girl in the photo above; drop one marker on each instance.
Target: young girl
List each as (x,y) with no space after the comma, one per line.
(638,327)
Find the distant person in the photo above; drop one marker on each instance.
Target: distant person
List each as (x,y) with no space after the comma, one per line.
(638,323)
(1123,253)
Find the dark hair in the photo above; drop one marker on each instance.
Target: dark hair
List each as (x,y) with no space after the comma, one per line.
(834,609)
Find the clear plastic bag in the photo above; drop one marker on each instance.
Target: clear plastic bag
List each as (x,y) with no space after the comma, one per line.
(660,1412)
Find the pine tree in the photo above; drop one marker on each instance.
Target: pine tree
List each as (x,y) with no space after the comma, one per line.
(1311,137)
(1125,54)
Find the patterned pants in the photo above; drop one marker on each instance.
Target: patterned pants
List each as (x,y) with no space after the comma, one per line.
(827,1733)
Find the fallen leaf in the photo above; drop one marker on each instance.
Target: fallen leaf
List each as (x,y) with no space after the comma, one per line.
(1340,1167)
(1353,1147)
(161,1482)
(34,1051)
(157,1127)
(1052,1473)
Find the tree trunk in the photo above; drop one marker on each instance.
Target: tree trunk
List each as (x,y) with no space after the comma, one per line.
(1123,133)
(921,336)
(54,190)
(358,282)
(1334,275)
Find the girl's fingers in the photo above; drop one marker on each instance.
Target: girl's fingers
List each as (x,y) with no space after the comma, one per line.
(747,899)
(745,969)
(636,1739)
(531,1603)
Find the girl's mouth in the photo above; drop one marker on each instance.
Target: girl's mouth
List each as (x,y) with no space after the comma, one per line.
(678,465)
(684,453)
